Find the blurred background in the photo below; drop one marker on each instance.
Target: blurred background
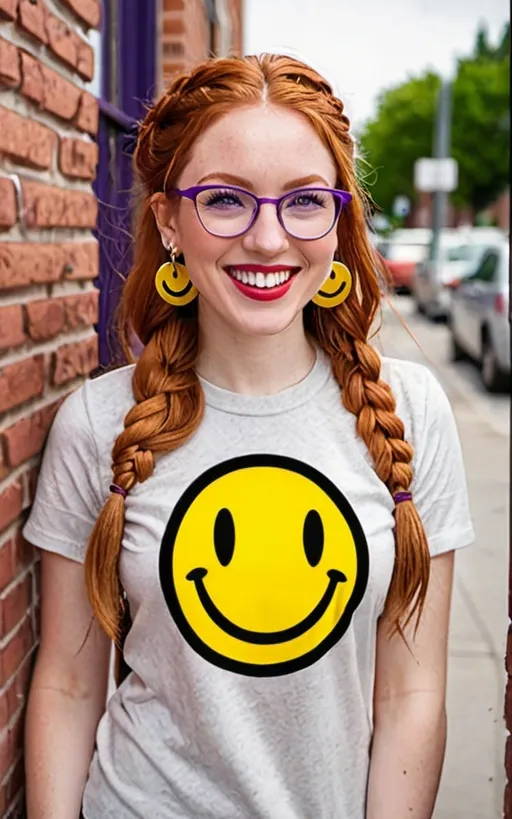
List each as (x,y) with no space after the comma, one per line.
(426,86)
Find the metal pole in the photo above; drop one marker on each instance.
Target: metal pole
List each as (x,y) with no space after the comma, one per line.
(442,149)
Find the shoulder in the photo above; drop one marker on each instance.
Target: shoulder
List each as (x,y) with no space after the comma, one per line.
(418,393)
(95,411)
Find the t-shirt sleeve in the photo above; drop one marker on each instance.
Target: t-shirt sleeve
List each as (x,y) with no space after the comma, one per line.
(439,485)
(68,496)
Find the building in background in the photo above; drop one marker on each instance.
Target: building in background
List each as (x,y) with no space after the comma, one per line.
(74,78)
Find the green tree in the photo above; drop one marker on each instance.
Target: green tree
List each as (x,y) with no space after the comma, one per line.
(481,130)
(401,132)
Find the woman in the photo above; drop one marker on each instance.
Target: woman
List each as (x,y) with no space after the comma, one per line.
(284,504)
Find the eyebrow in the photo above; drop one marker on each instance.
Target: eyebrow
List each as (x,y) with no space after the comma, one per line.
(244,183)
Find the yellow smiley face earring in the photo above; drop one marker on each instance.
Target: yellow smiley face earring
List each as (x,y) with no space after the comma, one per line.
(173,283)
(335,288)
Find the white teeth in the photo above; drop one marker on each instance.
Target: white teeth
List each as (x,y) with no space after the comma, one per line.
(259,279)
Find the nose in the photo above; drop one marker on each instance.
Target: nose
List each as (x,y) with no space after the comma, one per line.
(266,236)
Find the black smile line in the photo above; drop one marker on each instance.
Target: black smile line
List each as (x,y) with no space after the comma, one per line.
(340,289)
(177,293)
(258,637)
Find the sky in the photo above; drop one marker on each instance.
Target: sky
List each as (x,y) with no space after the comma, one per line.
(365,46)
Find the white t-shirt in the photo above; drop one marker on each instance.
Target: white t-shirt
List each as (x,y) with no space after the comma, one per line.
(256,560)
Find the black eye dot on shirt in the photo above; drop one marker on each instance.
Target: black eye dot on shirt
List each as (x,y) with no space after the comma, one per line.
(333,274)
(313,537)
(224,536)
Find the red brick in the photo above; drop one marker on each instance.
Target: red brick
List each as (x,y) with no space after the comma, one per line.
(31,14)
(85,60)
(21,381)
(7,566)
(26,141)
(11,505)
(8,9)
(174,25)
(507,805)
(11,327)
(16,651)
(73,360)
(45,319)
(8,205)
(9,64)
(48,206)
(24,554)
(32,80)
(4,469)
(508,704)
(14,607)
(88,114)
(61,97)
(81,310)
(82,261)
(26,437)
(78,158)
(14,783)
(174,5)
(87,11)
(62,40)
(24,263)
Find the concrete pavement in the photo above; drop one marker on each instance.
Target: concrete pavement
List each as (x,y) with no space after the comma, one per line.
(473,778)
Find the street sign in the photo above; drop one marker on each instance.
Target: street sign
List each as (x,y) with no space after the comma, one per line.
(431,175)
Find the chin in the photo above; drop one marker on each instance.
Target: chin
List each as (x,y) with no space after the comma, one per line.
(264,322)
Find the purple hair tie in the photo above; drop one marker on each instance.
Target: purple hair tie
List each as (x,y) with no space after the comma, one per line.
(118,490)
(400,497)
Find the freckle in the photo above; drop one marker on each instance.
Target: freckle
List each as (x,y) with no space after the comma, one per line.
(405,772)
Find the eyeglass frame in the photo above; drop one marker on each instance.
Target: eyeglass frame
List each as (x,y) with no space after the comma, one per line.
(342,198)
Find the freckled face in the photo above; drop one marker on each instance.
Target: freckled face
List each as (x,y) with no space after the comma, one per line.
(267,149)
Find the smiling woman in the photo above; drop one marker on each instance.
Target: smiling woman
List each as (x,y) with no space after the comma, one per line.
(261,507)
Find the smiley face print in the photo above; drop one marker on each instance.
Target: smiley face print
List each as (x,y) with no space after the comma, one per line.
(262,565)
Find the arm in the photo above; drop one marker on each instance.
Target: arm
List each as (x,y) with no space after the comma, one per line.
(67,694)
(409,708)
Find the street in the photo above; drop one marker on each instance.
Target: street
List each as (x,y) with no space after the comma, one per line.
(473,779)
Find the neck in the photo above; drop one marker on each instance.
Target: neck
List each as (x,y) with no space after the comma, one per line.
(253,365)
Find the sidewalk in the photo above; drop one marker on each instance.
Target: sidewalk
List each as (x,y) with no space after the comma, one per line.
(473,779)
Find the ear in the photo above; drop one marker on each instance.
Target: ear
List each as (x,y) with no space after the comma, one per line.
(164,212)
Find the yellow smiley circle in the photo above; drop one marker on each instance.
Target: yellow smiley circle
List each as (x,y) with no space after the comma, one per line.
(262,565)
(174,285)
(335,288)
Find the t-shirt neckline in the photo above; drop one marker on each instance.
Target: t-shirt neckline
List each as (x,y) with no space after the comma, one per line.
(282,401)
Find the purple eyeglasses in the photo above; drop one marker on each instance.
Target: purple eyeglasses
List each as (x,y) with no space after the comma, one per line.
(227,211)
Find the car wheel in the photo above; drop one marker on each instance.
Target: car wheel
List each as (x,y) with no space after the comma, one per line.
(456,351)
(494,380)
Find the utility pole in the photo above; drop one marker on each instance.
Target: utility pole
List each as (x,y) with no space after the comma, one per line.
(442,149)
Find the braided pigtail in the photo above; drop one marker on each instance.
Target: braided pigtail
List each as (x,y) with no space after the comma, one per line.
(169,409)
(357,368)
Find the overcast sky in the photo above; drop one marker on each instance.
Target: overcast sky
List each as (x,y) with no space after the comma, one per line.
(364,46)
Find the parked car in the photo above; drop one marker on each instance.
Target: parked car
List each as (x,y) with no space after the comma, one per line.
(402,251)
(480,317)
(460,251)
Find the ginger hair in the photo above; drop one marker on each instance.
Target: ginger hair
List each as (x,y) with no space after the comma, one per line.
(169,400)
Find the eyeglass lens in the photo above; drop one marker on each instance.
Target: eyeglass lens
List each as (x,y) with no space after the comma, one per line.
(305,214)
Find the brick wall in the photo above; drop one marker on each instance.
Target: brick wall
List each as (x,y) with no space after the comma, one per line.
(48,303)
(186,35)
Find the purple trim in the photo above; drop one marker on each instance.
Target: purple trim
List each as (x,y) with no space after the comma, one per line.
(120,107)
(341,197)
(400,497)
(118,490)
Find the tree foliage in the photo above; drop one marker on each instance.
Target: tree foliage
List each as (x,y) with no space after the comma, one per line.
(403,128)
